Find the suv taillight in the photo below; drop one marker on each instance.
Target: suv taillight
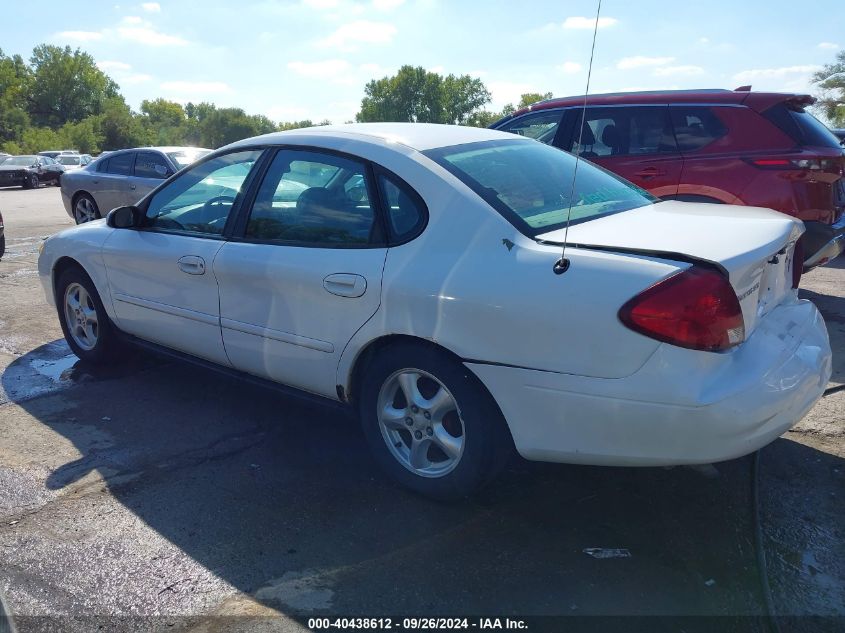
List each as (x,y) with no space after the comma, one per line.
(696,309)
(809,164)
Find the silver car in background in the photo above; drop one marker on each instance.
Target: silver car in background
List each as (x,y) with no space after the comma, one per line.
(121,178)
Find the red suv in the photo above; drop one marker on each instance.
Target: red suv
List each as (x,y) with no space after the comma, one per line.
(722,146)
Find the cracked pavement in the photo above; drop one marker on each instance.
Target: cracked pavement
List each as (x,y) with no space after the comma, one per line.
(158,496)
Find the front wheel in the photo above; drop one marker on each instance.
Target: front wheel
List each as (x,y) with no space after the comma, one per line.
(31,182)
(85,324)
(430,423)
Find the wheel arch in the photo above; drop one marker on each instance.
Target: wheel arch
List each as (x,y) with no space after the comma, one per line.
(76,196)
(351,389)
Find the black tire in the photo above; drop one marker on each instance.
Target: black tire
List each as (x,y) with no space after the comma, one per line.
(108,343)
(2,245)
(31,182)
(487,443)
(80,201)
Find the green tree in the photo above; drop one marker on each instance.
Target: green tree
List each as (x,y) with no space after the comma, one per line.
(227,125)
(165,121)
(831,80)
(83,136)
(119,127)
(417,95)
(14,86)
(66,86)
(294,125)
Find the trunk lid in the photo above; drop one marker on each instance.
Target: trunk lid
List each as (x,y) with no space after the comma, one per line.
(753,246)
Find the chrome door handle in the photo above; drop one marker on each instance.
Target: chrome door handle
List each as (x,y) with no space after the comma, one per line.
(192,264)
(345,284)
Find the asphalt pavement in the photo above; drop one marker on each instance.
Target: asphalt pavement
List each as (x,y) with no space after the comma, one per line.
(156,495)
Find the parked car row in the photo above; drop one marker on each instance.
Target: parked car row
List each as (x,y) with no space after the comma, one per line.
(377,266)
(121,177)
(718,146)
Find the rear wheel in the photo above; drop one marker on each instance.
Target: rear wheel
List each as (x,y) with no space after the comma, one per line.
(2,245)
(31,182)
(85,324)
(430,423)
(85,209)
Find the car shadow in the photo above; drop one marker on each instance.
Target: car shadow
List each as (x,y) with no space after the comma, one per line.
(281,500)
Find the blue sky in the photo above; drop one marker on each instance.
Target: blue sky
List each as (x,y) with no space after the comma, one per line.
(300,59)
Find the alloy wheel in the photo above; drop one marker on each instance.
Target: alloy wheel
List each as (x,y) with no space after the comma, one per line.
(84,211)
(81,316)
(420,422)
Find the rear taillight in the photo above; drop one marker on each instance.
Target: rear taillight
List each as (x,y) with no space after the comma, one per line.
(809,164)
(797,262)
(696,308)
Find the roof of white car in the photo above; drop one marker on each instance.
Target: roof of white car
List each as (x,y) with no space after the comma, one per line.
(418,136)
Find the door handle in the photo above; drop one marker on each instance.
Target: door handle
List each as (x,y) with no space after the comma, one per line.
(649,172)
(345,284)
(192,264)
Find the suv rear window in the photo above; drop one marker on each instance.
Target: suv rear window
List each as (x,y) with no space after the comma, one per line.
(801,126)
(530,183)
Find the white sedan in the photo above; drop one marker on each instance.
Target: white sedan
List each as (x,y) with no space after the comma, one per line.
(413,272)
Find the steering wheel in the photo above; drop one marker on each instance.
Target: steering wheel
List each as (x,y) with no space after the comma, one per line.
(206,208)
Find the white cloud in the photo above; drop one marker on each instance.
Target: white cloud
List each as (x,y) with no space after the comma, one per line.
(373,70)
(570,68)
(579,22)
(321,4)
(289,113)
(504,92)
(151,7)
(639,61)
(387,5)
(436,69)
(774,73)
(828,46)
(350,34)
(113,66)
(132,19)
(674,71)
(151,37)
(202,87)
(323,69)
(80,36)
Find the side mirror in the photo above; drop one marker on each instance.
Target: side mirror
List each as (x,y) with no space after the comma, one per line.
(124,218)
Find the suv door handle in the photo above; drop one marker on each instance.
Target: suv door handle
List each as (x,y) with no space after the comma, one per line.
(345,284)
(649,172)
(192,264)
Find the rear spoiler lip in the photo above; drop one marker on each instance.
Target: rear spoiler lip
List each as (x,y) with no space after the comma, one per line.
(659,254)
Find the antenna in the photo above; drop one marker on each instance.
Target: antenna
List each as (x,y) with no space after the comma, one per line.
(562,265)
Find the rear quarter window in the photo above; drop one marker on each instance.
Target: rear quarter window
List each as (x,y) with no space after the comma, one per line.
(801,126)
(696,127)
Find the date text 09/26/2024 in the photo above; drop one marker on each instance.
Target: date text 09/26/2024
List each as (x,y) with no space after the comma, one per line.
(416,624)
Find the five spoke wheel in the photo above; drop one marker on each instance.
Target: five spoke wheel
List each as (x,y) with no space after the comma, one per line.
(81,316)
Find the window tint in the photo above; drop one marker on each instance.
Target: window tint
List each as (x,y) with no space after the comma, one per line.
(624,131)
(315,199)
(541,126)
(121,164)
(695,127)
(405,215)
(200,199)
(151,165)
(531,185)
(801,126)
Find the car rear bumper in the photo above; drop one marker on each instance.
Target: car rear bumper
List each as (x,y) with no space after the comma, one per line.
(825,242)
(681,407)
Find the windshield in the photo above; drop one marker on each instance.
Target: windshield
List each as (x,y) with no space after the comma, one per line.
(184,158)
(70,160)
(21,161)
(530,183)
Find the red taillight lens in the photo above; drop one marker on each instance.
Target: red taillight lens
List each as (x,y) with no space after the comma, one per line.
(696,308)
(797,262)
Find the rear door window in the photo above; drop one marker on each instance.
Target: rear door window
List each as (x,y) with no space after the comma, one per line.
(695,127)
(541,126)
(624,131)
(121,165)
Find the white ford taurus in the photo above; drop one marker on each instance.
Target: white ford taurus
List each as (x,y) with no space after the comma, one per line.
(412,271)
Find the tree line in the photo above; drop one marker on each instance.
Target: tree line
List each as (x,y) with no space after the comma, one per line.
(60,99)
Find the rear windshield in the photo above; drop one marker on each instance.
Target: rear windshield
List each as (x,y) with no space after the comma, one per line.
(69,160)
(184,158)
(803,127)
(530,183)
